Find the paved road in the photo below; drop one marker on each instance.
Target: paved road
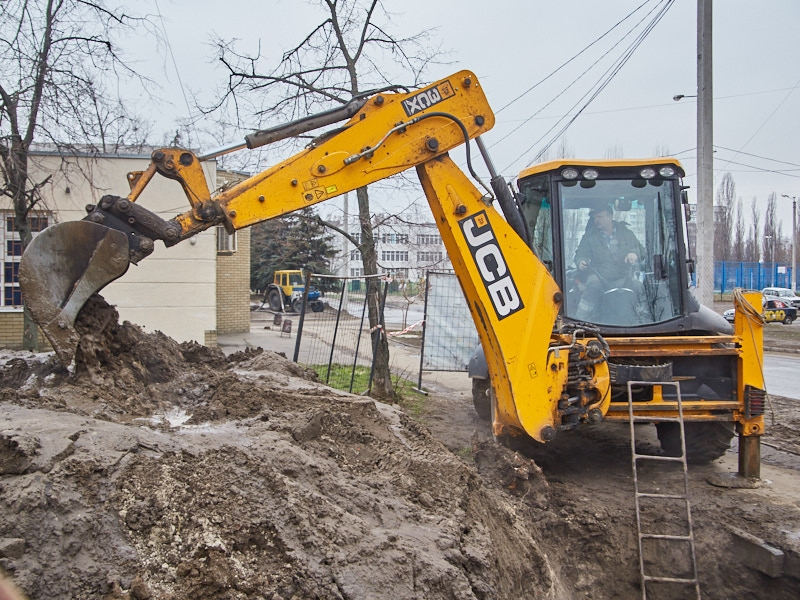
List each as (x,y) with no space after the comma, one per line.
(780,372)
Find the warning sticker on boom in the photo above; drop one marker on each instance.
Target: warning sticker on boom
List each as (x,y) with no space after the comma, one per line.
(427,98)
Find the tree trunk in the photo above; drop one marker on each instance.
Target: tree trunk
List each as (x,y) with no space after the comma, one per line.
(16,175)
(382,381)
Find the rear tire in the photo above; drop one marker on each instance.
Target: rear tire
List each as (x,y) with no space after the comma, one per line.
(480,398)
(705,442)
(275,302)
(788,320)
(317,306)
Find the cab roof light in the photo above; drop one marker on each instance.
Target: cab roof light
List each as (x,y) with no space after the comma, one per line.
(590,174)
(666,171)
(648,173)
(569,173)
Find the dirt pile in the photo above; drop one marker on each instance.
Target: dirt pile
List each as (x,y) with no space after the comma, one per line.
(166,470)
(160,470)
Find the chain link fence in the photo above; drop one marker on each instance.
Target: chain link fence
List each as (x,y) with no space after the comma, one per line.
(449,335)
(337,342)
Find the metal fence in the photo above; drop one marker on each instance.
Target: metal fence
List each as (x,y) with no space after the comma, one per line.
(449,334)
(337,342)
(751,275)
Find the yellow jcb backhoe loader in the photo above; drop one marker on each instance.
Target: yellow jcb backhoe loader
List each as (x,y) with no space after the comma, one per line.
(550,367)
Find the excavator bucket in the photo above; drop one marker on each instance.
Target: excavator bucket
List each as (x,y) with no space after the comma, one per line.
(61,268)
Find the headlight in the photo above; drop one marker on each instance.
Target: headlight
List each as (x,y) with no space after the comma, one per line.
(569,173)
(648,173)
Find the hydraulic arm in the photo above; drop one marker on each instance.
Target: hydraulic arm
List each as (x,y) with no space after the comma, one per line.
(544,378)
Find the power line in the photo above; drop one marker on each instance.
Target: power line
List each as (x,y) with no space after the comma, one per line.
(177,71)
(783,162)
(643,107)
(760,127)
(557,69)
(605,80)
(574,81)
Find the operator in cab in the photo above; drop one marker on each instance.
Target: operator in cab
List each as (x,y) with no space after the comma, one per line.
(606,257)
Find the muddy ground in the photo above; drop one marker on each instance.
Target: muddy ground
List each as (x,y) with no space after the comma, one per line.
(166,470)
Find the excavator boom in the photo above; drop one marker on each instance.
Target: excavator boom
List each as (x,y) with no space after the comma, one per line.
(539,376)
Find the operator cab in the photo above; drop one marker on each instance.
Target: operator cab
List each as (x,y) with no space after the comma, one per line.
(611,234)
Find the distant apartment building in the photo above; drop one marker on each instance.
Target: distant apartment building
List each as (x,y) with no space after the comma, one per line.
(407,249)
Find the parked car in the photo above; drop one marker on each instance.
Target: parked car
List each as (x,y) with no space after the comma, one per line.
(784,294)
(775,311)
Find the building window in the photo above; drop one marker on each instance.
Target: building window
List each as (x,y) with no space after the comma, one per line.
(13,248)
(355,255)
(356,235)
(12,251)
(356,272)
(394,255)
(226,243)
(430,257)
(394,238)
(429,239)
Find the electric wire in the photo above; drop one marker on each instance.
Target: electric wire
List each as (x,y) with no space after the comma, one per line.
(763,124)
(557,69)
(574,81)
(177,71)
(609,74)
(601,85)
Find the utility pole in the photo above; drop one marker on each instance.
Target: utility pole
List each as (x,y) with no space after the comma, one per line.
(793,280)
(705,158)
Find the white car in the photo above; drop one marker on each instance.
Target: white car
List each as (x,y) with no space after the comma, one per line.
(783,294)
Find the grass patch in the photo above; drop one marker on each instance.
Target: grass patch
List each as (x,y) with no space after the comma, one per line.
(345,378)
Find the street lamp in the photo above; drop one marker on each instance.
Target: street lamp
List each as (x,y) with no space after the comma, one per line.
(794,234)
(677,97)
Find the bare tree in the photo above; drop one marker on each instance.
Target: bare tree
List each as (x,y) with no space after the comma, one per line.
(59,67)
(739,240)
(724,205)
(770,240)
(753,244)
(349,52)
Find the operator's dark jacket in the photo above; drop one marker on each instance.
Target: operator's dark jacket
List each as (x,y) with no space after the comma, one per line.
(608,262)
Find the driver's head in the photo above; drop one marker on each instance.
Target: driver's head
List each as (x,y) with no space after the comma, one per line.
(602,218)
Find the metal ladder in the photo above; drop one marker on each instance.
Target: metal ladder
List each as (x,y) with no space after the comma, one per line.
(684,497)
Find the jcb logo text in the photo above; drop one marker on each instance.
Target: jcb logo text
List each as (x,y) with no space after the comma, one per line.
(491,265)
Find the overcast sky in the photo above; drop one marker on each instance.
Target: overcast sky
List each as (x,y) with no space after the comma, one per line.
(512,45)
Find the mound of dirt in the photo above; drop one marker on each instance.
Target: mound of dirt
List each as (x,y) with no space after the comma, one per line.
(165,470)
(159,470)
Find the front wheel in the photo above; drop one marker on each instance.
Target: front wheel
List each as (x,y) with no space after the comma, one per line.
(480,398)
(705,441)
(297,305)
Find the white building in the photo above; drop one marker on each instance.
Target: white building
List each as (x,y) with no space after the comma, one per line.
(174,290)
(407,248)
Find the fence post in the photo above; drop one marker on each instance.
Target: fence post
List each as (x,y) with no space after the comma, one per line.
(342,297)
(424,327)
(381,331)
